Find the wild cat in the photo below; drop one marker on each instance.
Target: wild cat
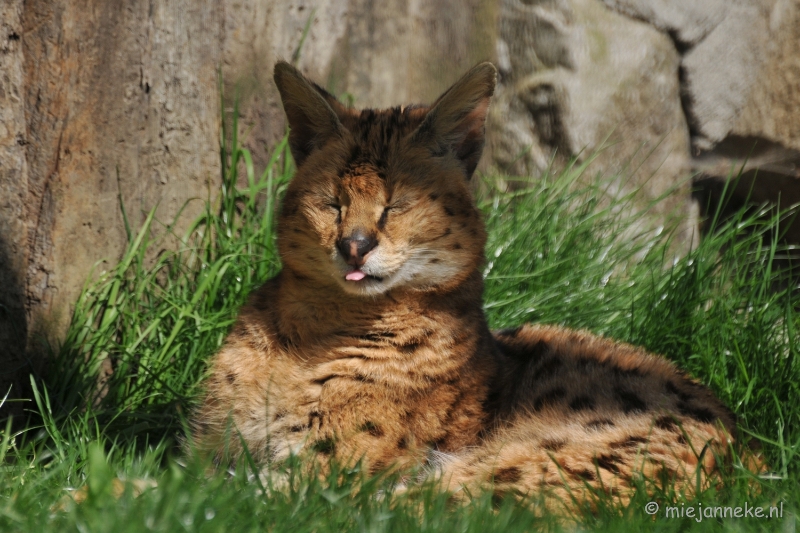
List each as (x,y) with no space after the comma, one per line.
(372,343)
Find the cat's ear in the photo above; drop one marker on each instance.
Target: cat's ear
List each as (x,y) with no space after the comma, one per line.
(312,112)
(456,121)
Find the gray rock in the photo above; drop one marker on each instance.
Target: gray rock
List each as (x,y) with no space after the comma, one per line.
(578,78)
(722,44)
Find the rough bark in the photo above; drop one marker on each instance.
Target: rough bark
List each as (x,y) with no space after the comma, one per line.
(13,193)
(101,86)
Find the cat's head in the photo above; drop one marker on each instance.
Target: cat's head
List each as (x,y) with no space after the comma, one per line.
(380,200)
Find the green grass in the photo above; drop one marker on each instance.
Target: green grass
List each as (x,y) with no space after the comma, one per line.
(145,329)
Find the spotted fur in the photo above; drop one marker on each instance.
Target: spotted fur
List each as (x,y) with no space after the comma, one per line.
(372,344)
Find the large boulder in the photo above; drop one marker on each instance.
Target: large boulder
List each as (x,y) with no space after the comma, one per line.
(699,88)
(577,78)
(740,75)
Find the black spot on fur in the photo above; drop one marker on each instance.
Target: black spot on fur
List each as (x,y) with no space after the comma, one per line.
(324,446)
(377,337)
(665,422)
(701,414)
(438,150)
(376,467)
(497,499)
(298,428)
(548,398)
(509,332)
(583,474)
(630,402)
(382,220)
(372,428)
(321,381)
(680,439)
(553,445)
(581,403)
(435,261)
(511,474)
(549,366)
(456,246)
(433,196)
(402,444)
(599,423)
(539,350)
(626,372)
(608,462)
(673,389)
(284,341)
(299,277)
(411,347)
(630,442)
(449,211)
(231,377)
(491,404)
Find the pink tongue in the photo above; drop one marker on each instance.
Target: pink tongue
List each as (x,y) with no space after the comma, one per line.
(355,275)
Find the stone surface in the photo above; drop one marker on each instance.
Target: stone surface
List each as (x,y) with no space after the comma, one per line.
(373,54)
(772,109)
(721,44)
(740,74)
(765,137)
(646,72)
(577,77)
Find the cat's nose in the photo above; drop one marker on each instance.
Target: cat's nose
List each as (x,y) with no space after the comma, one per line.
(355,247)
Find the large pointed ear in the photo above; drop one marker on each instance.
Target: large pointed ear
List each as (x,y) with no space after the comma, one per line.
(456,121)
(309,110)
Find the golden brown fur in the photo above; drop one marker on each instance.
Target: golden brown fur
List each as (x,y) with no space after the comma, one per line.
(372,344)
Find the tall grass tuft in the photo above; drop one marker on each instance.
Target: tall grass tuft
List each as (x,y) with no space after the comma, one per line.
(141,332)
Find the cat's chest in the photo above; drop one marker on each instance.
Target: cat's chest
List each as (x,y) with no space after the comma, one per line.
(371,395)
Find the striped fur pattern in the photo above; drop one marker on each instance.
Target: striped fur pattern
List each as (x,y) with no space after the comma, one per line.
(372,344)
